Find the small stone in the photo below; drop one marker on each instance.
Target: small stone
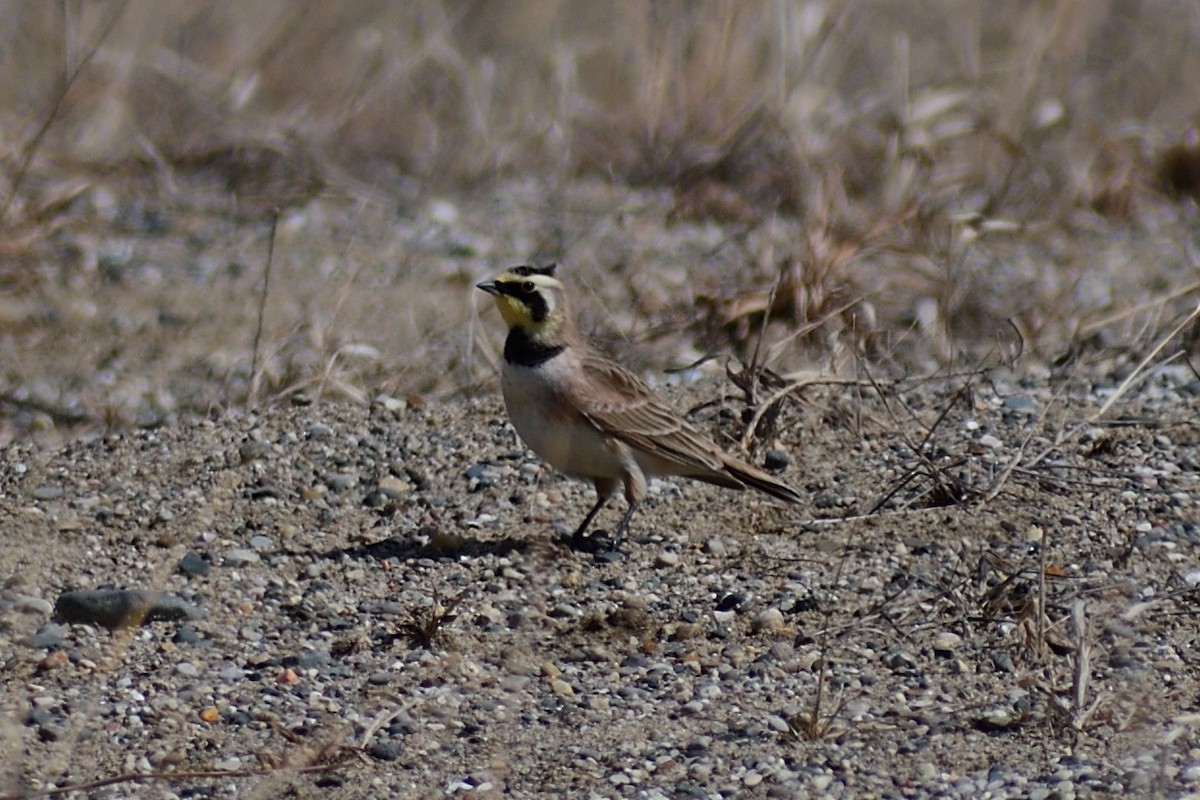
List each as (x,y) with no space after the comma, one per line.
(341,481)
(926,771)
(47,636)
(53,661)
(389,403)
(991,442)
(821,782)
(945,643)
(240,557)
(28,604)
(47,493)
(1020,404)
(666,559)
(901,661)
(210,715)
(187,669)
(186,634)
(318,431)
(194,565)
(561,688)
(253,451)
(777,460)
(768,621)
(384,751)
(731,601)
(394,488)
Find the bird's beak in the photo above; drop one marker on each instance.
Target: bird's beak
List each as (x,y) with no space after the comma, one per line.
(489,287)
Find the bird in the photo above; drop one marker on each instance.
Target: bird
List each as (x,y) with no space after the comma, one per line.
(591,418)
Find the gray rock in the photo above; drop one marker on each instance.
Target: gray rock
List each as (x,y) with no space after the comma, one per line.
(47,637)
(240,557)
(47,493)
(194,565)
(341,481)
(28,604)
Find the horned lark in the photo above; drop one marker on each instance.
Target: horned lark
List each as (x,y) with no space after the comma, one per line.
(590,417)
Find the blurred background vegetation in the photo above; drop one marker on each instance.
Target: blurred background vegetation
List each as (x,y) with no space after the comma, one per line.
(905,181)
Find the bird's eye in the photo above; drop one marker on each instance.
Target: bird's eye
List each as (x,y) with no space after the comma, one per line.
(527,287)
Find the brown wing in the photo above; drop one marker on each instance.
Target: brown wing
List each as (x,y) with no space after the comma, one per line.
(623,406)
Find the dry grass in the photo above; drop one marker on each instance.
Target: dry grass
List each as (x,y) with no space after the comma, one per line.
(913,182)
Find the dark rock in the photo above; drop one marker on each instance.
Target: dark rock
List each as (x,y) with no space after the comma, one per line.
(117,608)
(384,751)
(731,601)
(777,460)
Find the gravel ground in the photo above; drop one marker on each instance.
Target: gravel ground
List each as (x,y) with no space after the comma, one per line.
(346,601)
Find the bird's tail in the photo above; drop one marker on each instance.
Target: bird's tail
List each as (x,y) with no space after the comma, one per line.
(757,479)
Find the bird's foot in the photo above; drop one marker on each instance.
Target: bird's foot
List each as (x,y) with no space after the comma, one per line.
(599,544)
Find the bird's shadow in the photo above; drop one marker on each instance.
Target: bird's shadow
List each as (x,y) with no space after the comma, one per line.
(454,548)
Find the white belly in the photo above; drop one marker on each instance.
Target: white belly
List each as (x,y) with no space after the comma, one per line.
(567,443)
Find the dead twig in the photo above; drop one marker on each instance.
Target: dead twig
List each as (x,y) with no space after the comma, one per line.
(262,309)
(29,150)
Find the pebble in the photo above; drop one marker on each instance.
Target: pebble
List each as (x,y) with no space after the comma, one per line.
(1019,403)
(768,621)
(194,565)
(394,488)
(945,643)
(115,608)
(318,431)
(240,557)
(47,636)
(28,604)
(254,451)
(384,751)
(666,558)
(341,481)
(1003,661)
(777,460)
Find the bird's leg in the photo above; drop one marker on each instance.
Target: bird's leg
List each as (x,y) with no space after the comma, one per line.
(578,539)
(619,531)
